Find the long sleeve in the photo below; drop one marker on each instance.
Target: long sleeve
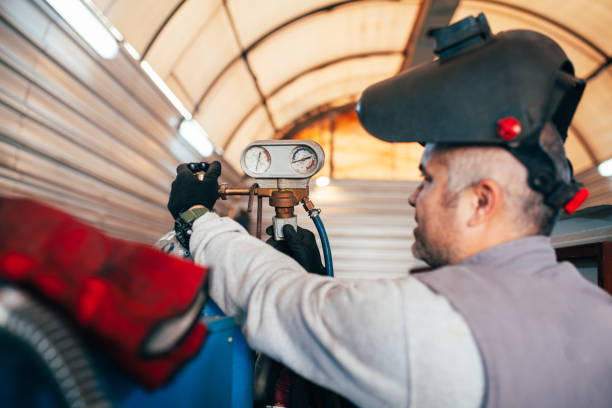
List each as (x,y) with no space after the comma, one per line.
(348,335)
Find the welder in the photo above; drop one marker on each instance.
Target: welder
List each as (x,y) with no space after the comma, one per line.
(498,322)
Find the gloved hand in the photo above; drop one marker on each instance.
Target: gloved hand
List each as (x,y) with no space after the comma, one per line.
(301,246)
(125,295)
(188,191)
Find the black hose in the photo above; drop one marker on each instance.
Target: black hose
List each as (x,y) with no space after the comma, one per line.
(45,338)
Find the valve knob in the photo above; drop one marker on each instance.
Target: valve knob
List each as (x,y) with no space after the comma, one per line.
(508,128)
(576,201)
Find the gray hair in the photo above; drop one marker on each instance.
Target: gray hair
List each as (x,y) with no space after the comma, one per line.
(469,165)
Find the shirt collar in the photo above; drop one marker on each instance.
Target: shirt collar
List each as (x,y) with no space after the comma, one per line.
(534,250)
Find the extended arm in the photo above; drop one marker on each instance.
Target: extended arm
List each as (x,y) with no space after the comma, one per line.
(336,333)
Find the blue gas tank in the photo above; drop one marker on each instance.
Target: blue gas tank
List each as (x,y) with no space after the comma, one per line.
(221,375)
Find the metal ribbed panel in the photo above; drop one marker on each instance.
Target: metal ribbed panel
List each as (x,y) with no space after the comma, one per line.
(369,224)
(93,137)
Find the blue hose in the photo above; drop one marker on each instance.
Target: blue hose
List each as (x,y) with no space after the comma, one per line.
(329,267)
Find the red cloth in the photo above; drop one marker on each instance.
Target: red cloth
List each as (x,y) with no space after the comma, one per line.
(117,290)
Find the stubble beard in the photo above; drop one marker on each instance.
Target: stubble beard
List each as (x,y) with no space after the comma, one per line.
(434,255)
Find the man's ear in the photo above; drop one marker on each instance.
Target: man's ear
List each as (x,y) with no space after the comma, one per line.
(486,199)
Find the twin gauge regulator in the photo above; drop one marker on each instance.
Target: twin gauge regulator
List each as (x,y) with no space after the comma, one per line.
(282,170)
(286,159)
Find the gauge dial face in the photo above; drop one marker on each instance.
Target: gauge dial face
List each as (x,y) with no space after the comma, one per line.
(303,159)
(257,160)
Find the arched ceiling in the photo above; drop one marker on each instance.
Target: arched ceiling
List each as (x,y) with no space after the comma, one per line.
(250,70)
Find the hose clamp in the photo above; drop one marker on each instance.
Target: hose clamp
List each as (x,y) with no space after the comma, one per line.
(314,212)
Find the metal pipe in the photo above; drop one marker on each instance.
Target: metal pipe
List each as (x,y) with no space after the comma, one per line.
(259,209)
(235,191)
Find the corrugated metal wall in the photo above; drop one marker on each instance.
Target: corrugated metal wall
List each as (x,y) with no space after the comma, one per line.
(94,137)
(369,224)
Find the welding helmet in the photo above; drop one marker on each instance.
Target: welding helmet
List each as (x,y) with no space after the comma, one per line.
(515,89)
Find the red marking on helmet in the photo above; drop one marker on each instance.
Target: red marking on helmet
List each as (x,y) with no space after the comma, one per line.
(508,128)
(15,265)
(92,294)
(576,201)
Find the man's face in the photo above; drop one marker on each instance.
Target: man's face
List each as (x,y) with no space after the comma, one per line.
(437,220)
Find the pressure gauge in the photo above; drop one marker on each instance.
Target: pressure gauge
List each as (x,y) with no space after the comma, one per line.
(257,159)
(269,160)
(303,159)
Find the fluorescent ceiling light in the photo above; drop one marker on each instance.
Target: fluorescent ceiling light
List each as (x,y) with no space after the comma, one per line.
(193,133)
(322,181)
(165,90)
(87,25)
(131,50)
(605,168)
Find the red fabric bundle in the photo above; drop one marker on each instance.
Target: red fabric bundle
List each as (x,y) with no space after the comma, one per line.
(119,291)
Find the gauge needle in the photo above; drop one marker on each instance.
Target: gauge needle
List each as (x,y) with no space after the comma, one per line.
(302,159)
(258,159)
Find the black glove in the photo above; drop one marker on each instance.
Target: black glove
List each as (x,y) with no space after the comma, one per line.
(188,191)
(301,246)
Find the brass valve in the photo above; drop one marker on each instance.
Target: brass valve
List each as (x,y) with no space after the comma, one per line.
(283,200)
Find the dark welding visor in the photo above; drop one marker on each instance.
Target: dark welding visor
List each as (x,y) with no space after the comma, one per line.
(516,89)
(478,80)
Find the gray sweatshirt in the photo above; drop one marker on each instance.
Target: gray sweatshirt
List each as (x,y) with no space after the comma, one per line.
(380,343)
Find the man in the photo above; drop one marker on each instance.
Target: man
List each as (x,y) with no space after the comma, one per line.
(500,323)
(473,198)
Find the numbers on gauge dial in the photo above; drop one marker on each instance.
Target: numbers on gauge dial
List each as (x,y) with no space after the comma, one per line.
(257,159)
(303,159)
